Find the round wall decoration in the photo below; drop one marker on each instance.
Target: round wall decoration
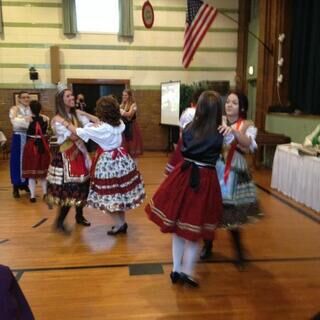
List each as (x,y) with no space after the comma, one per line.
(147,14)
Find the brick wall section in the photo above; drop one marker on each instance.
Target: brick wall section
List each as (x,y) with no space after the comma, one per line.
(148,101)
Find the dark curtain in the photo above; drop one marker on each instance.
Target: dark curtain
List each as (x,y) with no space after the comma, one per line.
(304,86)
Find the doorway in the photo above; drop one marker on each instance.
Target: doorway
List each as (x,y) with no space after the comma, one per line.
(93,89)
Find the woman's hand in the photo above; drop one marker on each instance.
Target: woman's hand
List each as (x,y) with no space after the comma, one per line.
(73,137)
(98,124)
(225,130)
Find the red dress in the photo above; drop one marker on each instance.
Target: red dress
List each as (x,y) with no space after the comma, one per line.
(36,154)
(132,138)
(189,202)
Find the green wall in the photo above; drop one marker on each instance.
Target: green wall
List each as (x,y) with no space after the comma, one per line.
(295,127)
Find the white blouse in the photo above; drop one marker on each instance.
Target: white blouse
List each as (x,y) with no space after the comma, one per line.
(251,133)
(17,116)
(105,135)
(62,132)
(187,116)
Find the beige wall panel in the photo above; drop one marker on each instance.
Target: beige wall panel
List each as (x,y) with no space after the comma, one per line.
(38,14)
(146,58)
(231,4)
(177,19)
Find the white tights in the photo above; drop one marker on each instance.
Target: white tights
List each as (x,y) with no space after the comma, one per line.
(32,186)
(185,254)
(118,218)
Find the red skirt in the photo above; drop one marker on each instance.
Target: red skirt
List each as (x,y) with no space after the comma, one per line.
(177,208)
(176,157)
(34,164)
(133,145)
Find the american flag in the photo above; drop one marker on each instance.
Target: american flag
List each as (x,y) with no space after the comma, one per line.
(199,18)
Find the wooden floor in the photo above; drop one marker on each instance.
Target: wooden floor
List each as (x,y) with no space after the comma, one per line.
(87,275)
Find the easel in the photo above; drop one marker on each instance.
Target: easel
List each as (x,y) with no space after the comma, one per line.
(169,147)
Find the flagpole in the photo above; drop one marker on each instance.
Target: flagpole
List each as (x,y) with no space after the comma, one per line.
(256,37)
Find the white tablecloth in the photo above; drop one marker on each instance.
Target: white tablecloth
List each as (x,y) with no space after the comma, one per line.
(297,176)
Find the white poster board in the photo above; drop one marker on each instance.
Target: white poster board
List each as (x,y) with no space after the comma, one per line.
(170,103)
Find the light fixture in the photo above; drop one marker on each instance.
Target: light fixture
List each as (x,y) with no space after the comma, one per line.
(251,70)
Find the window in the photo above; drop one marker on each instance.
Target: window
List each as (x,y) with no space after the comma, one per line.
(97,16)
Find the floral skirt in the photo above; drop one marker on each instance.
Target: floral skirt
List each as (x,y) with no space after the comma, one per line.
(116,184)
(178,208)
(244,207)
(63,190)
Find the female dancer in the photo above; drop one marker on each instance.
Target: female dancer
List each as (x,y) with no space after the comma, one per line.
(132,136)
(188,203)
(36,154)
(243,208)
(68,176)
(116,184)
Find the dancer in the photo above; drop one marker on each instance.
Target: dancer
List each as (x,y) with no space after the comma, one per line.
(188,203)
(36,155)
(116,184)
(20,117)
(243,207)
(68,174)
(132,136)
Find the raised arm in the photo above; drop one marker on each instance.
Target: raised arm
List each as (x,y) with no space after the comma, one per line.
(130,113)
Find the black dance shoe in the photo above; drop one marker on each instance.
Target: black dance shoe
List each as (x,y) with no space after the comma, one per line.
(15,192)
(206,252)
(122,229)
(83,221)
(175,276)
(188,280)
(25,188)
(33,200)
(61,228)
(241,264)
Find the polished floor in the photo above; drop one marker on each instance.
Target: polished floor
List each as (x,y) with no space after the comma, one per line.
(90,275)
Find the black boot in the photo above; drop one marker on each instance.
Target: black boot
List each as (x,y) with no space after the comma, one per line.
(240,260)
(25,188)
(206,251)
(59,226)
(15,192)
(80,219)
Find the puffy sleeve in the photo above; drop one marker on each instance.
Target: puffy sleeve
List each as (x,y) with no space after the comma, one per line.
(61,132)
(90,132)
(99,134)
(186,117)
(18,121)
(83,119)
(251,133)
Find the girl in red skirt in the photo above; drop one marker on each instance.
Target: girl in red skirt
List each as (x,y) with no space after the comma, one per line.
(188,203)
(116,185)
(36,154)
(132,139)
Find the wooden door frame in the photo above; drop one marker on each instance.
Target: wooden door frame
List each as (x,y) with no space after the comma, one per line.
(125,82)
